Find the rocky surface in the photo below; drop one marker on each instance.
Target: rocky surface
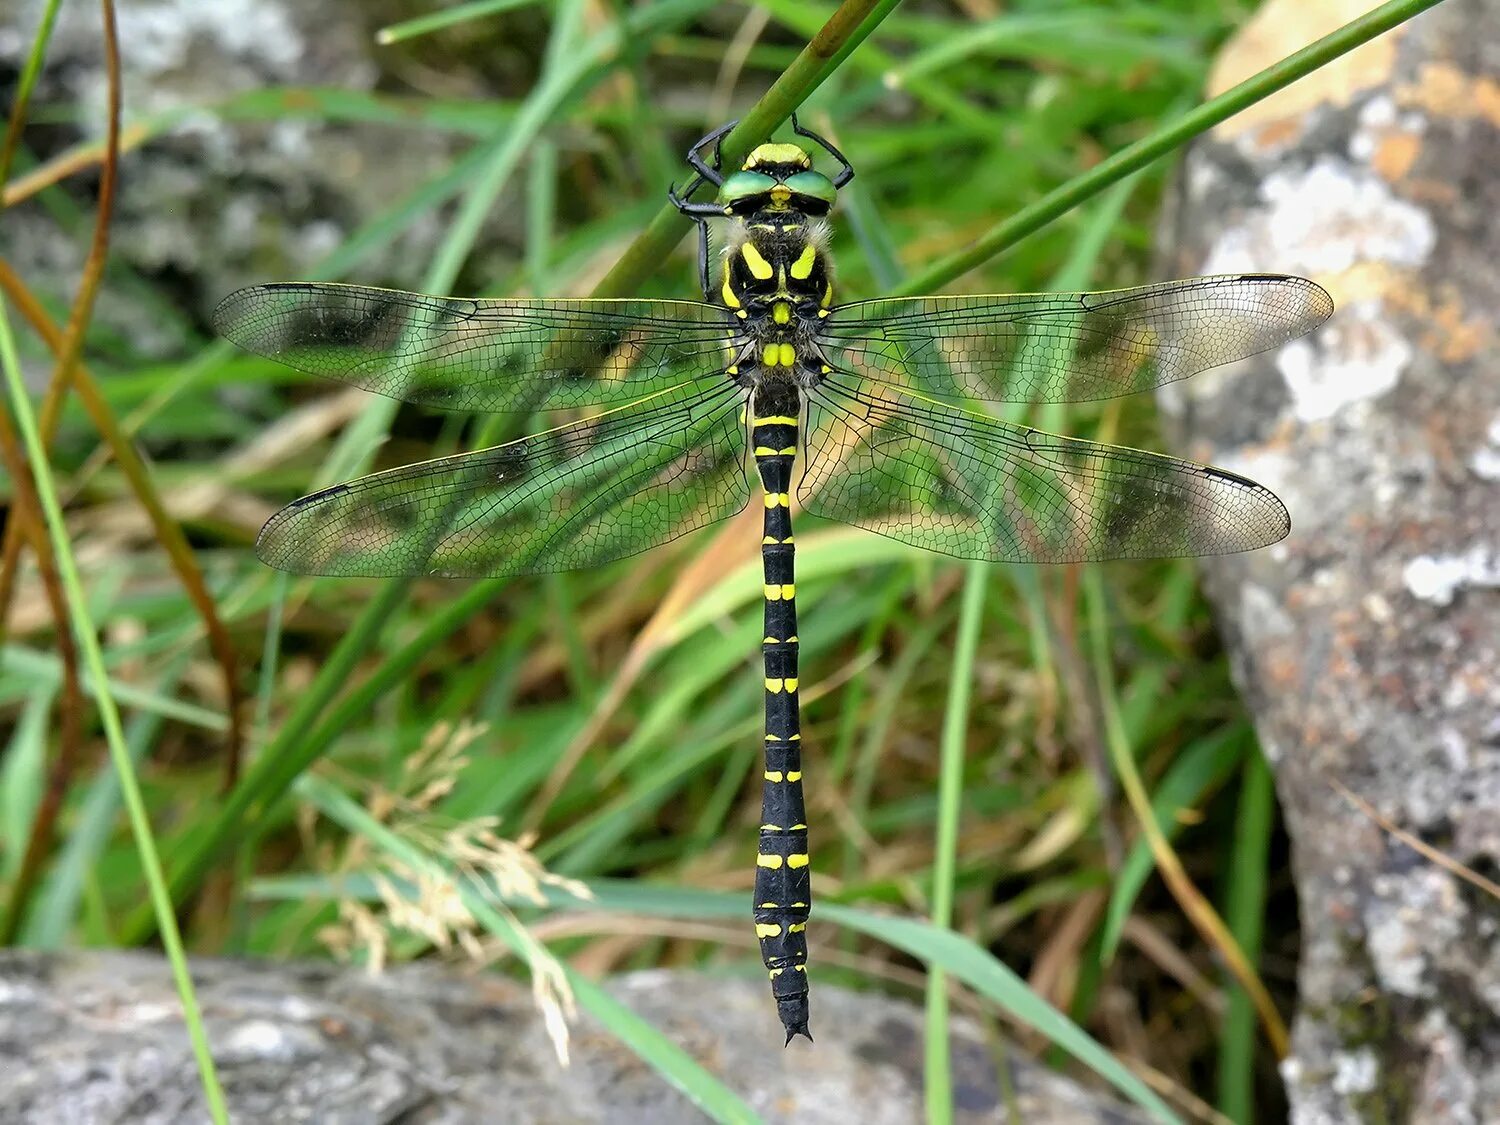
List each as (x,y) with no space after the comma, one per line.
(216,197)
(1369,642)
(94,1037)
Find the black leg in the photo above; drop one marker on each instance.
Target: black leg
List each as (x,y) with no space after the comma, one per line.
(704,171)
(700,213)
(846,173)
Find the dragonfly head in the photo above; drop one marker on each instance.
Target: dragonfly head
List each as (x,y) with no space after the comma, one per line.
(778,177)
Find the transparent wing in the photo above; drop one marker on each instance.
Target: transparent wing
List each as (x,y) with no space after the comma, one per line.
(1069,347)
(495,355)
(572,497)
(967,485)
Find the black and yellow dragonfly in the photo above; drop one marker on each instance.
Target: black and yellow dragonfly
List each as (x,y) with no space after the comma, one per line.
(675,397)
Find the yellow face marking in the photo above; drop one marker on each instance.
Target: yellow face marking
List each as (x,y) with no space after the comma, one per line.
(799,860)
(779,195)
(759,267)
(773,686)
(777,152)
(781,312)
(773,775)
(730,297)
(771,861)
(767,929)
(802,268)
(776,420)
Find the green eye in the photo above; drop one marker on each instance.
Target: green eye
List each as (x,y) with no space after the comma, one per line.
(743,185)
(813,185)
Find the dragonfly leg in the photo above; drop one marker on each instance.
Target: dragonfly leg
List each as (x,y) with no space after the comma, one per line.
(846,172)
(716,138)
(699,213)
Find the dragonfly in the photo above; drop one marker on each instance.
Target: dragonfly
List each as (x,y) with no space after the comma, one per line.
(882,401)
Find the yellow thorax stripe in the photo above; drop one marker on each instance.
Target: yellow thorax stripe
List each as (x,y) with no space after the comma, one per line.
(802,268)
(759,267)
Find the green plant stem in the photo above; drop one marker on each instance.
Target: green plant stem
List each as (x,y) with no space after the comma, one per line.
(939,1080)
(30,71)
(140,823)
(1134,157)
(849,26)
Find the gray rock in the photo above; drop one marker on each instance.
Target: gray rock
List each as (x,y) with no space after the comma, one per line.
(98,1037)
(1368,644)
(214,203)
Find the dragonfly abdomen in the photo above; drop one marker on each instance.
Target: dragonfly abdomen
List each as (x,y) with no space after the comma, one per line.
(783,894)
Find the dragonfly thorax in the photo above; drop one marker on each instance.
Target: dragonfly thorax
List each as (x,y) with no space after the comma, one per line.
(778,280)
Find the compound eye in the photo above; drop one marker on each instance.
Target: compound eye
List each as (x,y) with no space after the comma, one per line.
(813,185)
(741,186)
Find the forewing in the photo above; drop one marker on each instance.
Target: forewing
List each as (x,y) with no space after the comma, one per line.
(967,485)
(455,353)
(1069,347)
(572,497)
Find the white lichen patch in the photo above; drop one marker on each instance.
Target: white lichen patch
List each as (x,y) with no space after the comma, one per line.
(158,37)
(1438,578)
(1355,357)
(1355,1072)
(1411,916)
(1486,459)
(1322,220)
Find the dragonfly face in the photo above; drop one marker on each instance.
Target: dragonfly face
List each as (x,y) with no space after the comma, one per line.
(878,397)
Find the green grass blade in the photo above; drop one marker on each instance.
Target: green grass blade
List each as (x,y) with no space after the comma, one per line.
(938,1077)
(1245,914)
(1197,771)
(448,17)
(88,642)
